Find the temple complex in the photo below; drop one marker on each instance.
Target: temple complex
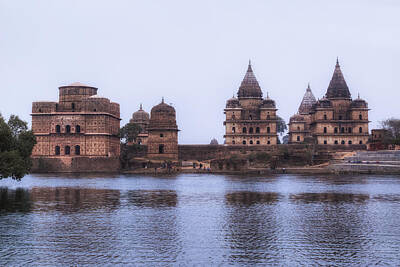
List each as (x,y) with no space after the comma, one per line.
(163,133)
(81,123)
(334,119)
(141,118)
(250,118)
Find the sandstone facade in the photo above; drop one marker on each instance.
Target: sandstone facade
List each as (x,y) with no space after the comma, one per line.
(335,119)
(163,133)
(80,124)
(250,119)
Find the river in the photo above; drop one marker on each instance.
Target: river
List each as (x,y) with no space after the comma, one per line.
(206,219)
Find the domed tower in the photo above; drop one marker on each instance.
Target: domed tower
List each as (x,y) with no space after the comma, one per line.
(163,133)
(142,119)
(336,118)
(299,124)
(250,119)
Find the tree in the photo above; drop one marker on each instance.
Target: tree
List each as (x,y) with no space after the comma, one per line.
(281,126)
(392,125)
(16,144)
(130,132)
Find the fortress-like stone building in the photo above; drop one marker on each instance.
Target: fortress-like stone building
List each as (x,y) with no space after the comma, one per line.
(334,119)
(163,133)
(141,118)
(250,119)
(80,124)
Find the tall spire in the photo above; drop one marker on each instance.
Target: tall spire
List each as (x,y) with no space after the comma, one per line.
(249,86)
(337,87)
(307,102)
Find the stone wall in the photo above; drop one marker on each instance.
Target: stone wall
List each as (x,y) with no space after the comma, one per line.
(75,164)
(208,152)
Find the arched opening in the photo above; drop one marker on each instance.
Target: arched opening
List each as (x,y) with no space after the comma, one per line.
(67,150)
(360,116)
(342,130)
(258,130)
(58,129)
(298,138)
(343,142)
(244,142)
(325,130)
(268,142)
(161,149)
(268,129)
(325,142)
(336,142)
(350,130)
(233,142)
(360,142)
(161,135)
(325,117)
(360,129)
(77,150)
(57,150)
(340,117)
(258,142)
(251,142)
(68,129)
(251,130)
(250,117)
(350,142)
(335,130)
(244,130)
(233,129)
(73,106)
(77,128)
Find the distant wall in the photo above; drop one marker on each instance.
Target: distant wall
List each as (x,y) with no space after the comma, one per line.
(207,152)
(75,164)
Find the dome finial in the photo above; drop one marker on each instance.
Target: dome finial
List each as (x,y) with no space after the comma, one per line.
(308,87)
(337,61)
(267,95)
(141,106)
(358,95)
(162,100)
(249,62)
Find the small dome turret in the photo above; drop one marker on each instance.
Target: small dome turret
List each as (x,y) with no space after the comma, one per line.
(268,103)
(140,116)
(163,116)
(232,102)
(359,103)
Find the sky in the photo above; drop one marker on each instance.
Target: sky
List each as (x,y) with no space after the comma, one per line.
(195,54)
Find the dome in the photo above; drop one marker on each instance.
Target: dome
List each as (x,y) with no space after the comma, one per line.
(337,87)
(232,103)
(359,103)
(307,102)
(214,142)
(163,116)
(140,116)
(249,88)
(268,103)
(162,108)
(324,103)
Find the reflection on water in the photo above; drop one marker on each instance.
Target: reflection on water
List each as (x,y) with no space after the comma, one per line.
(200,220)
(251,226)
(246,198)
(329,197)
(14,200)
(153,198)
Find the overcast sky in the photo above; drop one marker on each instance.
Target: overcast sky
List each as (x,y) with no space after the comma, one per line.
(195,54)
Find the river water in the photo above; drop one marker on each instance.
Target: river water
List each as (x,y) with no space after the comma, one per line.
(200,220)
